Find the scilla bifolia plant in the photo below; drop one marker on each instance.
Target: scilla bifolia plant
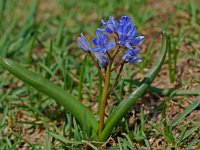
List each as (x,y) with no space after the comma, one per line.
(123,37)
(104,53)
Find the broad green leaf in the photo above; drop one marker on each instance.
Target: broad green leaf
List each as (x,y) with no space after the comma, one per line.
(81,113)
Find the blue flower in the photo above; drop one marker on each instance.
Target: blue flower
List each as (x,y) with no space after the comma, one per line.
(125,30)
(101,42)
(125,20)
(127,37)
(83,43)
(102,59)
(111,25)
(131,56)
(134,41)
(127,34)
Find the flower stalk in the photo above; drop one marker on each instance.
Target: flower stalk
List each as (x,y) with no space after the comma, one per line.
(104,98)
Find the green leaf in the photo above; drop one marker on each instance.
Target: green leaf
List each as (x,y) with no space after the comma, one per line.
(118,113)
(188,110)
(81,113)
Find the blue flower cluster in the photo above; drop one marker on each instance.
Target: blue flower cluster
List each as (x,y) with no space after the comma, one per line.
(127,37)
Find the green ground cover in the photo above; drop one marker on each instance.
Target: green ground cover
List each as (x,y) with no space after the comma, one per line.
(41,36)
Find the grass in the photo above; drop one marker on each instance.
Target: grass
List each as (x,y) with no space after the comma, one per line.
(42,37)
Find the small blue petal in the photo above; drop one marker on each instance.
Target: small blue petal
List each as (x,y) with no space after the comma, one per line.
(105,39)
(135,60)
(113,21)
(99,32)
(127,44)
(111,25)
(103,22)
(103,50)
(127,28)
(131,56)
(120,29)
(131,32)
(125,20)
(96,49)
(95,41)
(137,41)
(83,43)
(102,59)
(110,45)
(102,42)
(109,29)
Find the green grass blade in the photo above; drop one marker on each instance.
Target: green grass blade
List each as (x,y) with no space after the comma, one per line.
(2,119)
(30,53)
(5,42)
(183,131)
(119,142)
(26,141)
(130,143)
(63,139)
(49,57)
(193,12)
(188,110)
(47,142)
(2,8)
(165,135)
(189,132)
(195,140)
(170,61)
(66,100)
(119,112)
